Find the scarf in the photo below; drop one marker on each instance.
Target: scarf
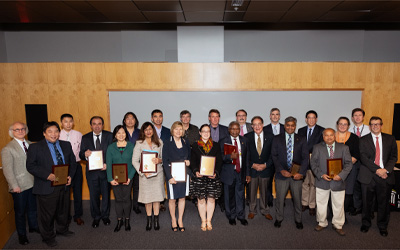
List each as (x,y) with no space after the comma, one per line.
(206,146)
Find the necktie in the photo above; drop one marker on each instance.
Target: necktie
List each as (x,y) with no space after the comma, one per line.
(237,168)
(259,145)
(378,152)
(289,151)
(241,130)
(25,148)
(309,134)
(330,152)
(98,145)
(358,132)
(275,131)
(58,155)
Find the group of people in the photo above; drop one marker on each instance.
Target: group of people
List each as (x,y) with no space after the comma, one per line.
(297,162)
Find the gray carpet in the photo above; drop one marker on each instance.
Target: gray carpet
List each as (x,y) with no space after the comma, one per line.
(259,234)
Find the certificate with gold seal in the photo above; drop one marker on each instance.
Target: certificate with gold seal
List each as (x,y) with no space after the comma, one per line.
(61,173)
(146,162)
(334,167)
(95,160)
(120,172)
(207,165)
(178,171)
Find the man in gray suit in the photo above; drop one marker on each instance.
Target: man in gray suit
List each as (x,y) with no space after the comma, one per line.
(20,182)
(241,118)
(325,186)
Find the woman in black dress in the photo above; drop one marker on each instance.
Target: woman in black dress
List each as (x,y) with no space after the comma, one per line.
(205,189)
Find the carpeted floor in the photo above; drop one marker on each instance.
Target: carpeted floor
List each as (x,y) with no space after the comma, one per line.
(259,234)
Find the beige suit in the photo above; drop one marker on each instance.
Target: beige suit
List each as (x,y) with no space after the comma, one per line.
(14,166)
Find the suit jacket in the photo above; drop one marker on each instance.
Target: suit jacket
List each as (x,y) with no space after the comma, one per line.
(13,158)
(88,144)
(264,158)
(165,134)
(223,132)
(367,155)
(279,154)
(228,168)
(39,163)
(249,127)
(318,165)
(316,136)
(268,129)
(170,153)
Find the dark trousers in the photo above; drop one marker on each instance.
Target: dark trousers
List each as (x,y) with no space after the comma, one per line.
(357,196)
(135,187)
(123,202)
(52,208)
(98,185)
(77,191)
(234,198)
(25,203)
(382,189)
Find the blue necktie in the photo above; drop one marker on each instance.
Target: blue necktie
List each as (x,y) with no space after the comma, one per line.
(58,155)
(289,151)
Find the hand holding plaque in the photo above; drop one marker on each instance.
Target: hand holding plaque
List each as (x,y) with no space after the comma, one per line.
(334,167)
(178,171)
(95,160)
(147,164)
(207,165)
(61,175)
(120,173)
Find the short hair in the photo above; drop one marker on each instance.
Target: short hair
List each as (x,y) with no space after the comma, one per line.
(242,111)
(290,119)
(204,125)
(176,124)
(134,117)
(66,115)
(156,111)
(233,123)
(10,129)
(274,109)
(96,117)
(343,118)
(214,111)
(47,125)
(357,110)
(257,117)
(184,112)
(312,112)
(328,129)
(116,129)
(375,118)
(154,137)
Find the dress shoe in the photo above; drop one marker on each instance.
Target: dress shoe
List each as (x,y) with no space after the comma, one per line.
(66,234)
(339,231)
(243,222)
(51,243)
(95,223)
(277,224)
(268,217)
(137,210)
(127,225)
(299,225)
(119,225)
(23,240)
(34,230)
(364,229)
(383,232)
(312,211)
(156,223)
(355,212)
(106,221)
(304,208)
(149,223)
(251,216)
(319,228)
(232,222)
(79,221)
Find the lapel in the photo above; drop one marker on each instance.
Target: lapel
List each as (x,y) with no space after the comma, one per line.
(384,152)
(371,145)
(282,141)
(325,151)
(91,140)
(15,145)
(46,151)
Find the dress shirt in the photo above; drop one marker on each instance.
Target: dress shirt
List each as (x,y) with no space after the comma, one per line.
(308,131)
(244,128)
(75,138)
(287,138)
(158,130)
(261,138)
(53,152)
(215,133)
(364,129)
(276,127)
(20,143)
(95,138)
(239,148)
(329,151)
(380,147)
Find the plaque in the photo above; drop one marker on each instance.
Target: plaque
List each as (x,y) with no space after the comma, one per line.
(120,172)
(334,167)
(95,160)
(61,173)
(207,165)
(146,162)
(178,171)
(295,169)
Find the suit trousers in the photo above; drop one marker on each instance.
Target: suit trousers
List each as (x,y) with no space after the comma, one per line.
(382,189)
(308,192)
(25,203)
(337,202)
(234,198)
(135,187)
(76,186)
(98,185)
(262,183)
(52,208)
(123,202)
(282,187)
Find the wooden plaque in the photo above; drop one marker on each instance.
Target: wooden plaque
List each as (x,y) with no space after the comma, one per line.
(334,167)
(61,173)
(120,172)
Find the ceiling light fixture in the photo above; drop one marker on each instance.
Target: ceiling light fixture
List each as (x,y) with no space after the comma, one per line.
(236,4)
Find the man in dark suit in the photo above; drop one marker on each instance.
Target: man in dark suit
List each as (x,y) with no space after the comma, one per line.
(98,139)
(274,128)
(378,158)
(53,202)
(157,119)
(241,118)
(313,133)
(235,174)
(288,149)
(260,164)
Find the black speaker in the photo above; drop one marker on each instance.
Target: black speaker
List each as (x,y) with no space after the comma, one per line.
(36,116)
(396,121)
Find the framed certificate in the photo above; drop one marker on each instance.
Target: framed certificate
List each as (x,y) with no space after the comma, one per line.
(95,160)
(146,162)
(295,169)
(61,173)
(207,165)
(120,172)
(178,171)
(334,167)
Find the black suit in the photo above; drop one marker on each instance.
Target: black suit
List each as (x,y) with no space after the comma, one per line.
(53,202)
(371,183)
(268,129)
(97,179)
(165,134)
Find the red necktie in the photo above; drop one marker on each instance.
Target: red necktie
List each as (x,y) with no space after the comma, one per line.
(237,168)
(241,130)
(378,152)
(331,154)
(358,132)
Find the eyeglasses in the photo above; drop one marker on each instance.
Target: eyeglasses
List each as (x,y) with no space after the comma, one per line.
(375,124)
(19,130)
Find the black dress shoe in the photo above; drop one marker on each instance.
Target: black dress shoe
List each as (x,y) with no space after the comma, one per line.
(299,225)
(106,221)
(383,232)
(277,224)
(34,230)
(66,234)
(243,222)
(95,223)
(51,243)
(232,222)
(364,229)
(23,240)
(355,212)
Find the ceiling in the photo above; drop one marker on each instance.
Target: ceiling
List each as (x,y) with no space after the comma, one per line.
(199,12)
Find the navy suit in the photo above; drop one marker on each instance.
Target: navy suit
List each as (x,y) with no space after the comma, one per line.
(315,138)
(97,179)
(165,134)
(268,129)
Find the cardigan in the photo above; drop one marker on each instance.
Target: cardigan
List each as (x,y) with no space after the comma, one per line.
(114,156)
